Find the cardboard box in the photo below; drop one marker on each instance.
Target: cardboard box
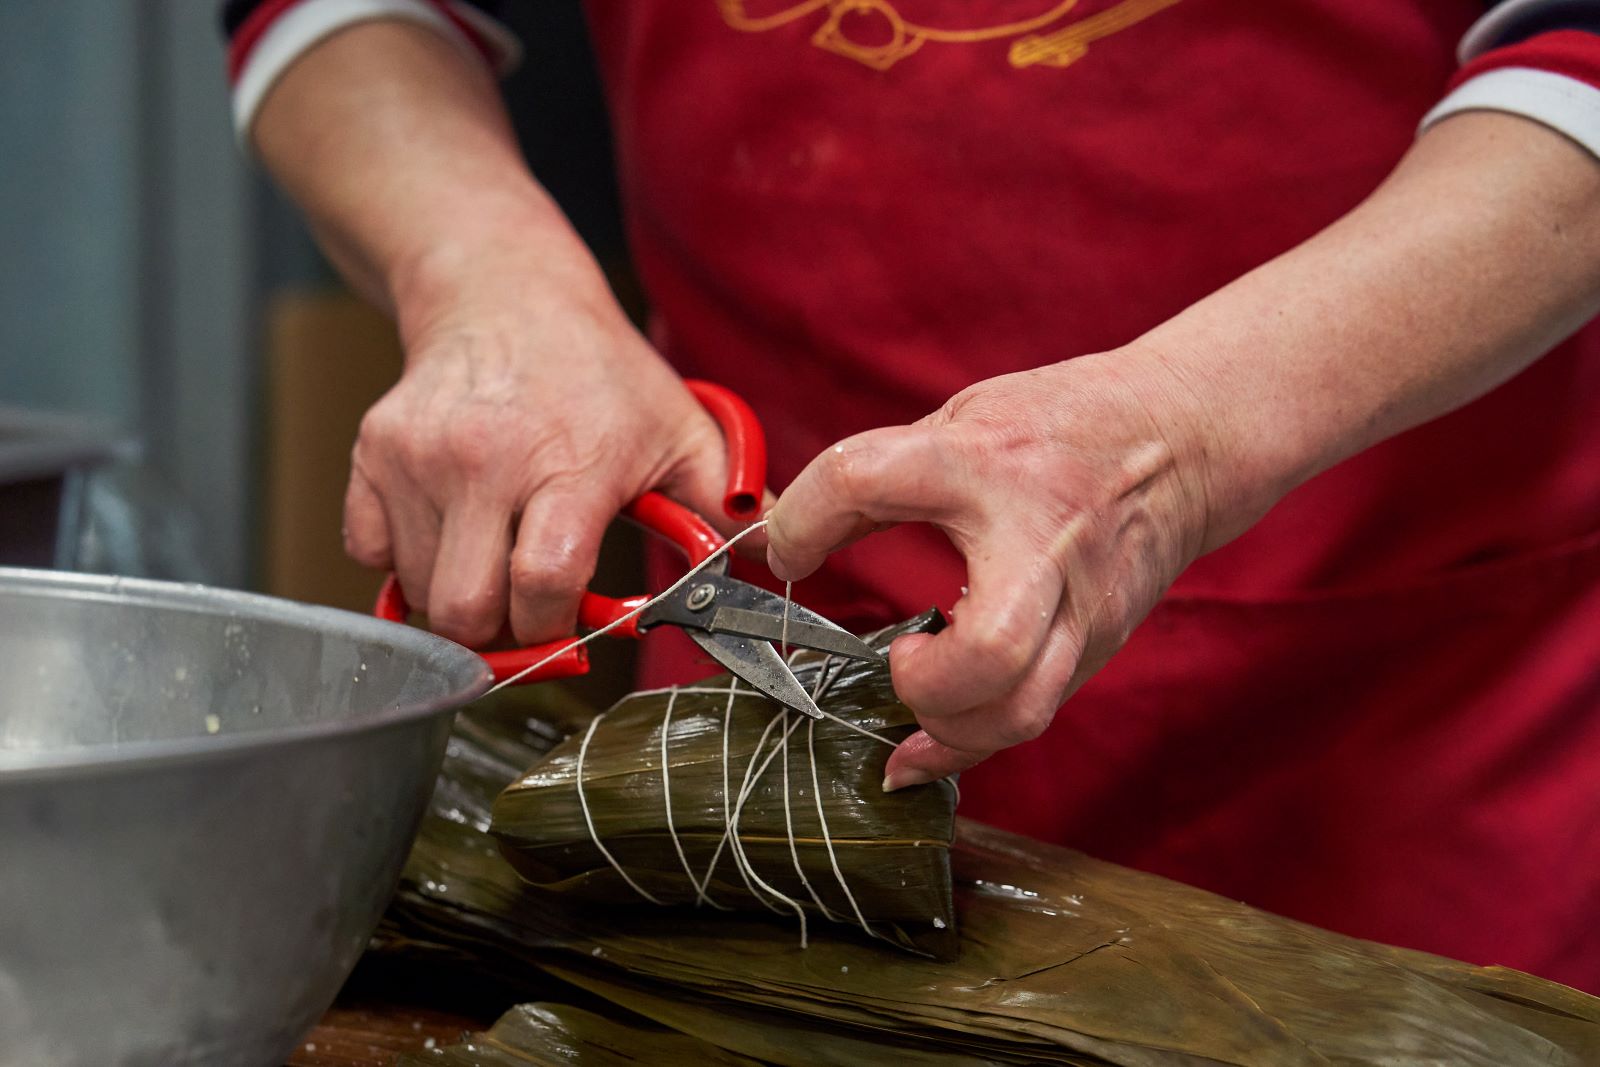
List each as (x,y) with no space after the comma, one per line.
(330,356)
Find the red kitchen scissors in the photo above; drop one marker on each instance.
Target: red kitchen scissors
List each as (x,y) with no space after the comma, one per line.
(732,620)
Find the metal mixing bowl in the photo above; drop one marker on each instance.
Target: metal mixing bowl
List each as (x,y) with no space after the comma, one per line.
(206,798)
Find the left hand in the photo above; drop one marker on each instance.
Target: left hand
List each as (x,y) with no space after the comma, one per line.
(1079,491)
(1075,493)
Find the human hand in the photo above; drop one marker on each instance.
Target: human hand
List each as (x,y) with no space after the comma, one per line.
(1076,494)
(529,413)
(529,410)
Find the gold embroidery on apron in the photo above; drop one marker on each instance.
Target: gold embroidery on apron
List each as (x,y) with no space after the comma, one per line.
(1066,46)
(1061,47)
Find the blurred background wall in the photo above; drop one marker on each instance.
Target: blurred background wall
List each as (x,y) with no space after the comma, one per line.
(131,254)
(153,281)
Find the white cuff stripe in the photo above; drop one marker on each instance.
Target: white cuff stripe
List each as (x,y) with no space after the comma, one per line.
(1511,16)
(308,22)
(505,45)
(1564,104)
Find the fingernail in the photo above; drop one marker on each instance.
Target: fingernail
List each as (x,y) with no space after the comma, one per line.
(904,779)
(775,565)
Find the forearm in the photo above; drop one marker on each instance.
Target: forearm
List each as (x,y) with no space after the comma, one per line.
(1479,253)
(397,146)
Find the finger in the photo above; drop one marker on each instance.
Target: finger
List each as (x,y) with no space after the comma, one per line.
(471,577)
(879,477)
(997,633)
(920,759)
(945,746)
(414,532)
(366,529)
(558,542)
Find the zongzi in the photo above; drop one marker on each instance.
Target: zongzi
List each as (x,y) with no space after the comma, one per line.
(713,795)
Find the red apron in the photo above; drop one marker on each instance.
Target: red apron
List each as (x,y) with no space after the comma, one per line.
(1379,710)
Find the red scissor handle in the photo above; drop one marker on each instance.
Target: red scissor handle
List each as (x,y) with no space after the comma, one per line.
(747,475)
(747,449)
(573,661)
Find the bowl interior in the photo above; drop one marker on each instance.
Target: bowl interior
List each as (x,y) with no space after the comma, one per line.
(93,667)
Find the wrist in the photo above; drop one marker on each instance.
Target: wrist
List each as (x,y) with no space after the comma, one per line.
(501,256)
(1231,464)
(461,242)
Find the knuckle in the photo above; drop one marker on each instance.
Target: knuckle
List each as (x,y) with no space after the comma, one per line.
(1000,648)
(384,452)
(557,572)
(849,468)
(364,551)
(415,592)
(1071,647)
(471,449)
(469,613)
(380,426)
(1020,725)
(365,532)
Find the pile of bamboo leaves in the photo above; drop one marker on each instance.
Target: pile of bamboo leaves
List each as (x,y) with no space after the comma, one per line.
(1061,959)
(537,1035)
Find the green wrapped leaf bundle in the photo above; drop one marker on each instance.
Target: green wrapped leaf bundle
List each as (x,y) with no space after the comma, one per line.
(715,796)
(1063,960)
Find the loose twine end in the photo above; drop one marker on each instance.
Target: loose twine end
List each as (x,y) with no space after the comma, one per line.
(827,672)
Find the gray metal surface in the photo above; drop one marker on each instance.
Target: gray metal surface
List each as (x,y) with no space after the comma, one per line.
(759,664)
(797,631)
(722,614)
(205,801)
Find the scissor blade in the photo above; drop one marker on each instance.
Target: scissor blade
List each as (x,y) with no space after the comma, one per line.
(825,637)
(759,664)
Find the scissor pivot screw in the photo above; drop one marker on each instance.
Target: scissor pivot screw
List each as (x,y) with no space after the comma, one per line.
(701,596)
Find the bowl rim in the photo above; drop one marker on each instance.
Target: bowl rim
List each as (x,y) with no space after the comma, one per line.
(467,675)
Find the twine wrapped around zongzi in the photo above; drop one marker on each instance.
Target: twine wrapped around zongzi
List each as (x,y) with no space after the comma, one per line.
(713,795)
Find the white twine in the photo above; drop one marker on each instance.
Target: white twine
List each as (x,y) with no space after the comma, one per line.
(827,839)
(818,690)
(727,799)
(709,689)
(732,810)
(701,896)
(744,794)
(730,835)
(636,612)
(794,854)
(588,819)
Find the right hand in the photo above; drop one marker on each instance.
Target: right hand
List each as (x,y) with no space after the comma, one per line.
(529,413)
